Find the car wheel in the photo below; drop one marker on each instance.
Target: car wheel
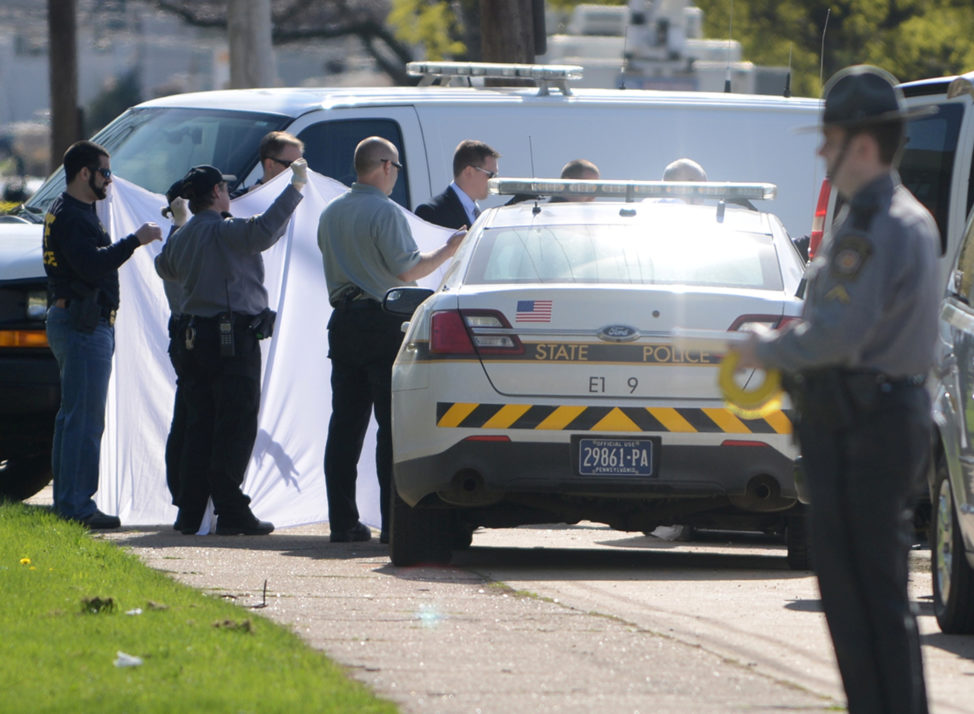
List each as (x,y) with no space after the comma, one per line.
(419,535)
(953,577)
(24,474)
(796,540)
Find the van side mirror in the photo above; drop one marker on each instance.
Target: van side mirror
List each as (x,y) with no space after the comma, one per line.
(404,301)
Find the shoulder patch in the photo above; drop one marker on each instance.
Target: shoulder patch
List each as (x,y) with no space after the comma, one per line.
(850,254)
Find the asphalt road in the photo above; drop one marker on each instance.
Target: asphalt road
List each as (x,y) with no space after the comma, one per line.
(572,619)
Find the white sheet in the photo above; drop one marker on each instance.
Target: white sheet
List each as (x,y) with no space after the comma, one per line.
(285,478)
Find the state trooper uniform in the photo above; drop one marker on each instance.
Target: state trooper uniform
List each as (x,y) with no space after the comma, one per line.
(216,261)
(855,366)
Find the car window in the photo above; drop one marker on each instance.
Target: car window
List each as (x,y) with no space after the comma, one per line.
(927,163)
(329,147)
(153,147)
(604,254)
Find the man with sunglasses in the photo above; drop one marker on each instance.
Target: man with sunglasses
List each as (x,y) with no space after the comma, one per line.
(474,163)
(278,150)
(367,248)
(82,264)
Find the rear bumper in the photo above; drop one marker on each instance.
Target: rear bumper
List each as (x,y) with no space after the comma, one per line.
(479,473)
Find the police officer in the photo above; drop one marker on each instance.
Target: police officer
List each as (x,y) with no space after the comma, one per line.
(855,365)
(216,261)
(82,264)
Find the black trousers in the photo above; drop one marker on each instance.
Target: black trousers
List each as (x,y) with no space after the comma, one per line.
(177,428)
(362,345)
(222,400)
(861,472)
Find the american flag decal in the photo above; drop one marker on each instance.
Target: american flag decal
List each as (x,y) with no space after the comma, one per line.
(533,311)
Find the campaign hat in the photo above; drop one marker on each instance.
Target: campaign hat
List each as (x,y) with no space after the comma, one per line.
(864,95)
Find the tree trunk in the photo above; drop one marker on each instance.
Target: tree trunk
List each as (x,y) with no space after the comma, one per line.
(63,77)
(507,31)
(251,53)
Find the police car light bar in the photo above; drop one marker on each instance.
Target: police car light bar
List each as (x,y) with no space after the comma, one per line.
(633,190)
(556,75)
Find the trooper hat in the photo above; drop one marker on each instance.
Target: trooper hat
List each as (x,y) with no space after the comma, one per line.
(863,95)
(200,180)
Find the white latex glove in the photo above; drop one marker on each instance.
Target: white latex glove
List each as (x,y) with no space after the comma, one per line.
(180,211)
(299,173)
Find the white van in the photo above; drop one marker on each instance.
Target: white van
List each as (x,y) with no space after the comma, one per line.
(629,134)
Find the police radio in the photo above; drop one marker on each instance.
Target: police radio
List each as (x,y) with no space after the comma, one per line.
(225,325)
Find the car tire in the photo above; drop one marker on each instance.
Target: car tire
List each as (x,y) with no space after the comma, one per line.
(796,539)
(24,474)
(419,536)
(953,577)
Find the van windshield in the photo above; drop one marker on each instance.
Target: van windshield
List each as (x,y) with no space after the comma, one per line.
(928,161)
(153,147)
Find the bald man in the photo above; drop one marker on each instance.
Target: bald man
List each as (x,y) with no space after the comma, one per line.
(367,248)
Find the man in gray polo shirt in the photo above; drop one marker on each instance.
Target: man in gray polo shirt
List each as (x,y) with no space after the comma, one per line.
(367,248)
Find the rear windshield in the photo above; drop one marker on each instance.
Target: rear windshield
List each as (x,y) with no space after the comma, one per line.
(154,147)
(928,160)
(613,254)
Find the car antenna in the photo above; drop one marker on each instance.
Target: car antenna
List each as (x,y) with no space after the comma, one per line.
(730,38)
(537,208)
(821,54)
(788,75)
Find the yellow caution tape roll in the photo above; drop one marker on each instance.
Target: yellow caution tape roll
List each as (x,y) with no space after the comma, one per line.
(749,403)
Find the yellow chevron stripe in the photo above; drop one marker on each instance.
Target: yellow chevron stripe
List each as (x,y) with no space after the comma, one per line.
(560,418)
(671,419)
(779,422)
(727,421)
(507,415)
(456,414)
(615,420)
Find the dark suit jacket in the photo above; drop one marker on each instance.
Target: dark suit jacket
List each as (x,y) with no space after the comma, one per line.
(444,210)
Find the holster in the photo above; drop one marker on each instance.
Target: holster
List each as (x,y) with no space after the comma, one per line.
(262,325)
(84,310)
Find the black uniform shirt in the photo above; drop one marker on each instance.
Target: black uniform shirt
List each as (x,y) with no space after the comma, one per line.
(78,248)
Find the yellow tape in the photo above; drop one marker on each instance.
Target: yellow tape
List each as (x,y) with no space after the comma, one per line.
(748,403)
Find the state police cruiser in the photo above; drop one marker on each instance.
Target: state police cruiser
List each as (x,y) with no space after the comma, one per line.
(855,364)
(216,261)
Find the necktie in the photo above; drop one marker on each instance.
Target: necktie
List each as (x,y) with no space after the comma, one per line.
(476,211)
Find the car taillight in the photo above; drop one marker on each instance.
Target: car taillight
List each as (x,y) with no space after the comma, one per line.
(818,220)
(448,334)
(465,332)
(748,322)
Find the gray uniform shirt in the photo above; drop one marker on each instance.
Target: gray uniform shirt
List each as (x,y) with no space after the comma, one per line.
(365,242)
(873,296)
(212,257)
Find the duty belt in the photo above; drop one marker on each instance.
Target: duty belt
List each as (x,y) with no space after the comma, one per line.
(354,298)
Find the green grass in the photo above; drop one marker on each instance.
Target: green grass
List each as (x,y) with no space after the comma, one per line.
(199,653)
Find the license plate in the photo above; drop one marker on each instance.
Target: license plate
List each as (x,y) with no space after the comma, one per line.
(616,457)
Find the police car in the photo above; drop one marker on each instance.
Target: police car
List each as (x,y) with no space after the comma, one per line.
(547,379)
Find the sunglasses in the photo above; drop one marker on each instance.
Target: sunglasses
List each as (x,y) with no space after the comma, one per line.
(106,173)
(394,163)
(490,174)
(285,164)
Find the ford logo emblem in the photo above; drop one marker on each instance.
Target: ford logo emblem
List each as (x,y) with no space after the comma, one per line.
(618,333)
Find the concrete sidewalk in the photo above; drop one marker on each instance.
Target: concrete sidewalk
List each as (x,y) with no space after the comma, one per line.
(445,640)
